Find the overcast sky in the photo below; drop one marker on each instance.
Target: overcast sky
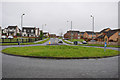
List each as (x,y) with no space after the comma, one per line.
(56,15)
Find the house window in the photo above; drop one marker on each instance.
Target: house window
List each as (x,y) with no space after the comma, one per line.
(105,39)
(24,30)
(32,30)
(119,34)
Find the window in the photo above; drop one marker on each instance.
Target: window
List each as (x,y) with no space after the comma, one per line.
(119,34)
(24,30)
(32,30)
(105,39)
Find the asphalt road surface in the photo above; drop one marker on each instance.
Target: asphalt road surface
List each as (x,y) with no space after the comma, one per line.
(20,67)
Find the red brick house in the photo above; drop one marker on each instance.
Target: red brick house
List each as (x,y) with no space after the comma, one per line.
(75,35)
(89,35)
(52,35)
(112,36)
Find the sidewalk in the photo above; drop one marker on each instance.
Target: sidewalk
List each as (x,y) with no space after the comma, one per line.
(40,40)
(68,41)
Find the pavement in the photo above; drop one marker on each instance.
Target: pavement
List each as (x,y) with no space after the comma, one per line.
(20,67)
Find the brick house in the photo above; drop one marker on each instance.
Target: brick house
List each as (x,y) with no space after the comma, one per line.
(81,35)
(0,32)
(75,35)
(112,36)
(11,31)
(52,35)
(30,32)
(88,35)
(103,32)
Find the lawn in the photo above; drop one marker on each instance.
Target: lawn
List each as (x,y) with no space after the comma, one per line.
(81,40)
(60,51)
(100,45)
(29,43)
(66,41)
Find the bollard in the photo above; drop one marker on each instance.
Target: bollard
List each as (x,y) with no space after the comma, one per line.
(49,42)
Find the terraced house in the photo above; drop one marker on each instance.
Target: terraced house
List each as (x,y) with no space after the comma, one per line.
(89,35)
(112,36)
(75,35)
(108,35)
(11,31)
(30,32)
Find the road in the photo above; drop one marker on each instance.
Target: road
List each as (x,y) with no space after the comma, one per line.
(20,67)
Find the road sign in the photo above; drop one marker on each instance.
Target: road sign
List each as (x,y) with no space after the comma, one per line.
(105,45)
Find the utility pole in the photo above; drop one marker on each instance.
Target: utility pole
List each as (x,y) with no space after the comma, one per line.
(22,22)
(92,25)
(71,29)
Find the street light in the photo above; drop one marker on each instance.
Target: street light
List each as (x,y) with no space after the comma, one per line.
(92,25)
(71,29)
(22,22)
(43,26)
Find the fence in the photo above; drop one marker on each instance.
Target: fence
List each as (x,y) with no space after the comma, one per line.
(19,40)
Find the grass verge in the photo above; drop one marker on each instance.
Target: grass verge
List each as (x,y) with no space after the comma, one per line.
(81,40)
(66,41)
(99,45)
(60,51)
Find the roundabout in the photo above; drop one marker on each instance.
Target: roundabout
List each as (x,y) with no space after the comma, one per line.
(60,52)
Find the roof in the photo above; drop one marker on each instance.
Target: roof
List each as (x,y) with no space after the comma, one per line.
(28,27)
(53,34)
(90,32)
(101,37)
(73,31)
(111,32)
(104,30)
(12,26)
(82,32)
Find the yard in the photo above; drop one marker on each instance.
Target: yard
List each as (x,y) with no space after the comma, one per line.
(60,51)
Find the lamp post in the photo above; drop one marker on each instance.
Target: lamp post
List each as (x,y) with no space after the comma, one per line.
(71,29)
(21,27)
(92,25)
(43,27)
(22,22)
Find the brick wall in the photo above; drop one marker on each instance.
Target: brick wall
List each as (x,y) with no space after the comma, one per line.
(109,43)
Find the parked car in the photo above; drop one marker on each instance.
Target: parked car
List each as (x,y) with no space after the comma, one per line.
(60,42)
(84,42)
(10,37)
(92,40)
(3,37)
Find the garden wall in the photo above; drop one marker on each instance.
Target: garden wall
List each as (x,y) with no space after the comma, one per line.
(109,43)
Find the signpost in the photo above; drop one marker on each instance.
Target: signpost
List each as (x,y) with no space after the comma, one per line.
(105,45)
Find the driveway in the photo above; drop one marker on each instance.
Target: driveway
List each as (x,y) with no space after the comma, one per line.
(20,67)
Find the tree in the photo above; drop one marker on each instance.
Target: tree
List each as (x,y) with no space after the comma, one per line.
(41,34)
(18,34)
